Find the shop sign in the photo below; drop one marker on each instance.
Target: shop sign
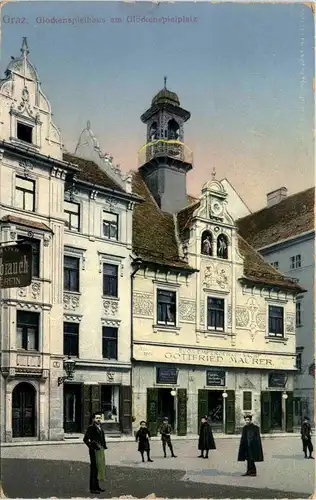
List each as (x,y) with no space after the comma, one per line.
(277,380)
(15,266)
(167,376)
(215,378)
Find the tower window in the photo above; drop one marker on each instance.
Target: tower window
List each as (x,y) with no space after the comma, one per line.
(206,243)
(24,132)
(173,130)
(222,246)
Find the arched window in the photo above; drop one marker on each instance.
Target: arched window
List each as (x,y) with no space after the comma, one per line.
(222,246)
(206,243)
(173,130)
(153,133)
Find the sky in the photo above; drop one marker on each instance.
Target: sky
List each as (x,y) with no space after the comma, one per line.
(244,71)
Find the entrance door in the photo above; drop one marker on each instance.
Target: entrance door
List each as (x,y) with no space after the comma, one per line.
(72,408)
(276,410)
(215,410)
(166,404)
(23,410)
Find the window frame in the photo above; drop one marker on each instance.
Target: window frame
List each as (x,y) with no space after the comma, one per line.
(26,125)
(244,402)
(25,326)
(70,213)
(109,340)
(111,224)
(72,337)
(23,191)
(76,289)
(299,356)
(111,279)
(275,264)
(296,261)
(160,292)
(299,313)
(208,309)
(270,332)
(34,242)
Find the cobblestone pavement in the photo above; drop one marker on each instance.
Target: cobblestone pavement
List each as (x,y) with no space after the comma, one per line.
(284,469)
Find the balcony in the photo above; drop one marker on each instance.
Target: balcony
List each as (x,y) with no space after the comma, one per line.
(23,364)
(162,148)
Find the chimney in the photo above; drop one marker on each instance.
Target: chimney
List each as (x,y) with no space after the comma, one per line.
(276,196)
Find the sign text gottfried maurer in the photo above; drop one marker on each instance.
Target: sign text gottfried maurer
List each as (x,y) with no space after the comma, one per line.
(208,357)
(15,266)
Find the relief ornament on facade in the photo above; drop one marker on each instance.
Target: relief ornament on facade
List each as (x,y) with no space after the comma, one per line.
(242,317)
(36,288)
(222,279)
(208,277)
(143,304)
(261,321)
(290,323)
(71,302)
(110,307)
(187,310)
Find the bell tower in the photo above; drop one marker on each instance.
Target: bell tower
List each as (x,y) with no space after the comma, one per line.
(165,160)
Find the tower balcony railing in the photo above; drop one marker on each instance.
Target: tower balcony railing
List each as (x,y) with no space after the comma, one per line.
(173,148)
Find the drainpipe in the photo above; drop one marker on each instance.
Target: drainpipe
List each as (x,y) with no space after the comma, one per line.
(137,263)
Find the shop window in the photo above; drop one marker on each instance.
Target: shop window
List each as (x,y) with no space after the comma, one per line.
(71,274)
(110,280)
(276,321)
(206,243)
(166,307)
(247,401)
(222,246)
(110,226)
(27,331)
(215,314)
(72,213)
(24,194)
(71,339)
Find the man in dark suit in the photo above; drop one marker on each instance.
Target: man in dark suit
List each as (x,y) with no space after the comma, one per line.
(250,448)
(306,434)
(95,440)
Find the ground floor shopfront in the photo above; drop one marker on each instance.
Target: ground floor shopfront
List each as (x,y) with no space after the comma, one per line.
(185,393)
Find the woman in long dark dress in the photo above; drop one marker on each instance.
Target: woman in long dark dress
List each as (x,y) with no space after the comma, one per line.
(206,439)
(143,436)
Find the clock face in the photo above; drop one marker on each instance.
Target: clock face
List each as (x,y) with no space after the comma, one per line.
(216,208)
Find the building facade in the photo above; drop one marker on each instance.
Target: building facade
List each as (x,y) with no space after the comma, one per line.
(77,215)
(283,232)
(213,324)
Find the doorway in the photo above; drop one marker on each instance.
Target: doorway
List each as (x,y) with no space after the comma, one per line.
(215,410)
(72,408)
(276,410)
(166,407)
(23,411)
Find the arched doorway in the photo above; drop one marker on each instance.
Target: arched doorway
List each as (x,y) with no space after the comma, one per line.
(23,410)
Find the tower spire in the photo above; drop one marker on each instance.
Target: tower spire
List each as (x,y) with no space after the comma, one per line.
(165,82)
(24,48)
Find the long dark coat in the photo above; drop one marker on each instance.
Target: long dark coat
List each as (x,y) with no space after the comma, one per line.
(250,444)
(142,436)
(206,439)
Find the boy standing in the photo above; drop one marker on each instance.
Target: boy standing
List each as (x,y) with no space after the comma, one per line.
(142,437)
(165,431)
(250,448)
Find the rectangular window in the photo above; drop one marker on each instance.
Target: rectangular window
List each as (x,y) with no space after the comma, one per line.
(27,330)
(275,264)
(247,401)
(110,226)
(109,342)
(24,194)
(71,339)
(36,246)
(299,360)
(110,280)
(72,212)
(299,313)
(166,307)
(24,132)
(295,261)
(215,314)
(71,274)
(276,321)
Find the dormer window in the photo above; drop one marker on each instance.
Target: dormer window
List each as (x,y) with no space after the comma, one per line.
(24,132)
(206,243)
(222,246)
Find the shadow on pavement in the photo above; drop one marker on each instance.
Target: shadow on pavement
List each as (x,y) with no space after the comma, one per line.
(49,478)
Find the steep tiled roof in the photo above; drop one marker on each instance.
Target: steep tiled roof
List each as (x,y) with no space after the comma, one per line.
(292,216)
(90,172)
(154,236)
(184,217)
(25,222)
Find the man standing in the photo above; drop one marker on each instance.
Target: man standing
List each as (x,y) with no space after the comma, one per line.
(95,440)
(165,431)
(250,448)
(206,439)
(306,434)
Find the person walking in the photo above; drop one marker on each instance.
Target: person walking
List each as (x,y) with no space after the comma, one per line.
(206,439)
(143,437)
(94,438)
(306,435)
(165,431)
(250,447)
